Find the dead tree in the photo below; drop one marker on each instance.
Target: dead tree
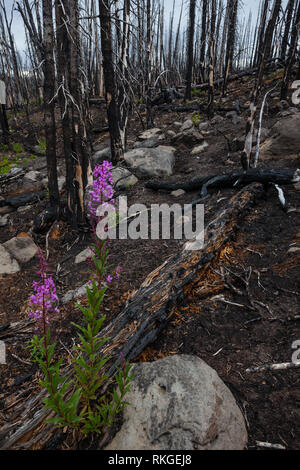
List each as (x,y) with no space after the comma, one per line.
(190,49)
(232,18)
(263,54)
(211,89)
(49,105)
(110,81)
(291,55)
(203,41)
(289,12)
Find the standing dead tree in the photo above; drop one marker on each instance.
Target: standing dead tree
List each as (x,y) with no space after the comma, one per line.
(291,55)
(49,106)
(232,17)
(264,51)
(190,49)
(110,81)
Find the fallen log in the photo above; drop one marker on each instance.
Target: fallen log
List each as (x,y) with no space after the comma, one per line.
(279,176)
(145,315)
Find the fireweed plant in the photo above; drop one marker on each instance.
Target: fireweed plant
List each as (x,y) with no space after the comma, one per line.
(82,408)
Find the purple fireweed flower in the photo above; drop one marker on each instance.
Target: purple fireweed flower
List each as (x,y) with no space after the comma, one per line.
(44,298)
(102,189)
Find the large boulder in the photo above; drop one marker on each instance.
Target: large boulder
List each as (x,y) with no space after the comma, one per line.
(21,248)
(189,137)
(149,133)
(123,178)
(8,265)
(285,138)
(179,403)
(149,162)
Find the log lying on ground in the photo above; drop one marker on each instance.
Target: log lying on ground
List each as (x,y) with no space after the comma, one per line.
(279,176)
(145,315)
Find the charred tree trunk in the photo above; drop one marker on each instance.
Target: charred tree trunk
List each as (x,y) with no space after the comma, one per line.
(291,55)
(233,8)
(110,83)
(289,13)
(49,105)
(211,89)
(203,41)
(190,49)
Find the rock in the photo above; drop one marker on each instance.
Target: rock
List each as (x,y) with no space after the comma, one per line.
(179,403)
(203,126)
(294,249)
(285,138)
(8,265)
(39,150)
(40,163)
(148,143)
(21,248)
(74,294)
(217,119)
(3,220)
(188,124)
(6,210)
(151,162)
(171,133)
(123,178)
(288,112)
(101,155)
(177,124)
(231,114)
(83,255)
(199,148)
(177,192)
(190,137)
(149,133)
(33,176)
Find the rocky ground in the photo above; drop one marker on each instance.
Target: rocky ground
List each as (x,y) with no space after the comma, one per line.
(250,313)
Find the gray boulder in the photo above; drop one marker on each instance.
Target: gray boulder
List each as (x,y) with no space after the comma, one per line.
(101,155)
(23,249)
(285,138)
(149,133)
(180,403)
(123,178)
(189,137)
(148,143)
(8,265)
(188,124)
(151,162)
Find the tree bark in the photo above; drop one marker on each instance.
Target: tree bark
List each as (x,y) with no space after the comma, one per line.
(190,49)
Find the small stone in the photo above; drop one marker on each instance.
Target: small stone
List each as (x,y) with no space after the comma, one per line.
(21,248)
(83,255)
(33,176)
(294,249)
(177,192)
(199,148)
(188,124)
(177,124)
(3,220)
(74,294)
(8,265)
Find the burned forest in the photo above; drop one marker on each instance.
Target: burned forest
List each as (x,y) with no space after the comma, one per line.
(149,226)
